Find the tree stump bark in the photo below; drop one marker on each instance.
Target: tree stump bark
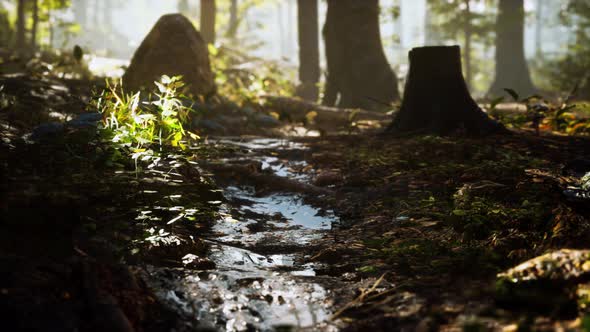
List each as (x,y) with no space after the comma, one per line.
(436,99)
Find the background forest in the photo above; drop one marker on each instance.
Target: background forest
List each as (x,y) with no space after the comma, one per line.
(295,165)
(554,38)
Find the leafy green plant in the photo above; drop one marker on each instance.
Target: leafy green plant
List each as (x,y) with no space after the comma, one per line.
(138,123)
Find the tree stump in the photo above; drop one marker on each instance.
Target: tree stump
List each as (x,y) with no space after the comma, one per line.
(173,47)
(436,99)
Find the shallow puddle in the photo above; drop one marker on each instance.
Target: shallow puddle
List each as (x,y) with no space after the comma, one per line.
(259,282)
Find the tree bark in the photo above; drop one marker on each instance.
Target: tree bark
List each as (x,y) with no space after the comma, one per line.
(208,16)
(359,75)
(232,29)
(468,31)
(309,49)
(512,70)
(6,31)
(20,27)
(539,29)
(436,99)
(35,26)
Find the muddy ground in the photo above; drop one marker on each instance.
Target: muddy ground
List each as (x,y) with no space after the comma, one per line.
(340,232)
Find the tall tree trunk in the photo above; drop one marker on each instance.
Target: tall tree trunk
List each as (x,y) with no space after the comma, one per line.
(208,16)
(359,75)
(20,27)
(436,99)
(232,29)
(35,26)
(512,70)
(468,31)
(309,49)
(539,29)
(51,28)
(6,31)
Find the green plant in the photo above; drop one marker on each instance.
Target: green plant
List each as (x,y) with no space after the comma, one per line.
(139,124)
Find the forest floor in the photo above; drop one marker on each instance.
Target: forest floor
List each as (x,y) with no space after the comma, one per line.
(353,232)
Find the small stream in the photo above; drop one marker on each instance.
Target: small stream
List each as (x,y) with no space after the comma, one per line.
(261,282)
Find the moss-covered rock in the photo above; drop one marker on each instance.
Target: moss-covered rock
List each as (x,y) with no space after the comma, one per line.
(173,47)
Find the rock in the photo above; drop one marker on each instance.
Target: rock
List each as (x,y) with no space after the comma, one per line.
(265,120)
(47,131)
(85,120)
(173,47)
(209,125)
(562,264)
(547,283)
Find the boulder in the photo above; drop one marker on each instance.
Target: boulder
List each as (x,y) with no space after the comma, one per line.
(173,47)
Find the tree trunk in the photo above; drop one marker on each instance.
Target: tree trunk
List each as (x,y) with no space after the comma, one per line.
(35,26)
(208,15)
(51,28)
(512,70)
(359,75)
(539,29)
(20,27)
(309,49)
(232,29)
(436,99)
(6,31)
(467,30)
